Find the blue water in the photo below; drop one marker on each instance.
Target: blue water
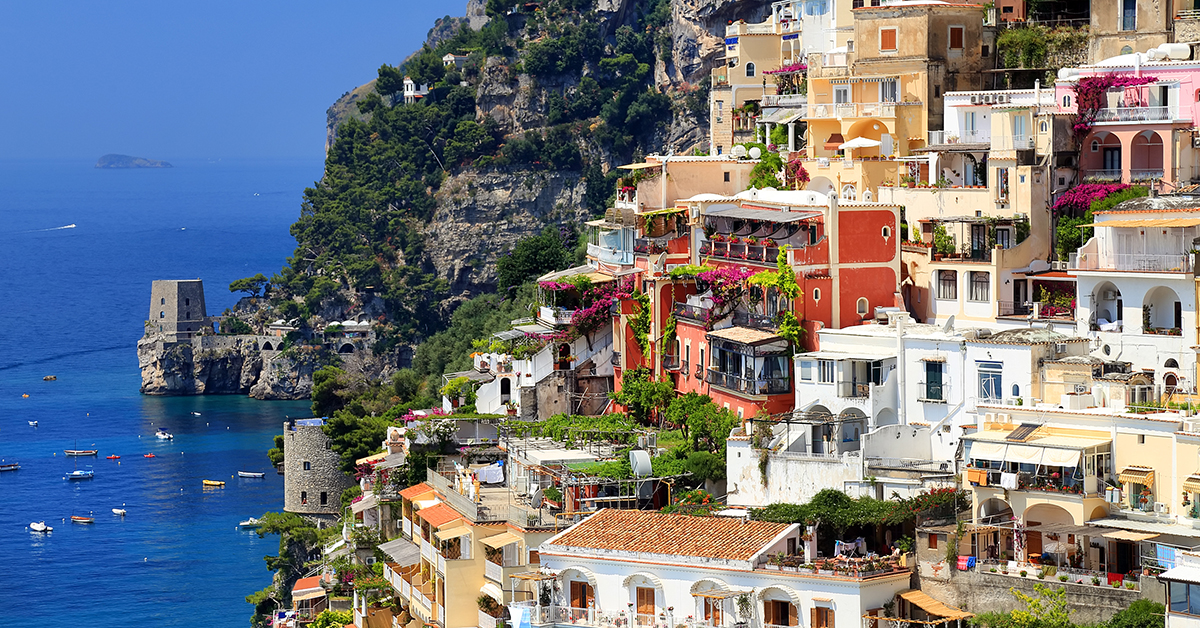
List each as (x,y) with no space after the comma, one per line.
(72,304)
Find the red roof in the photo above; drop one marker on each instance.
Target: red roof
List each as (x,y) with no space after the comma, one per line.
(677,535)
(413,491)
(438,515)
(307,583)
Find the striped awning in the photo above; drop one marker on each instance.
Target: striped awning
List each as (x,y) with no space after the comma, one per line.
(500,540)
(1192,483)
(1137,475)
(1147,222)
(1130,535)
(459,528)
(934,358)
(932,606)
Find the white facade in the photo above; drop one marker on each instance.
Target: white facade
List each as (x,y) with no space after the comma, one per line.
(1183,591)
(1137,294)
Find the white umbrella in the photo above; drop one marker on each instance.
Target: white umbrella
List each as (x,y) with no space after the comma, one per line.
(859,142)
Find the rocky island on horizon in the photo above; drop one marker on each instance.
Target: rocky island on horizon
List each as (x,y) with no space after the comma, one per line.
(127,161)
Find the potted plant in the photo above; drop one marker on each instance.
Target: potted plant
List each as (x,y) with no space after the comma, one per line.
(1129,585)
(1095,581)
(993,570)
(1062,578)
(1024,573)
(511,408)
(909,181)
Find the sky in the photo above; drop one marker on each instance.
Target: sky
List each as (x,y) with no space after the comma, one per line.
(205,79)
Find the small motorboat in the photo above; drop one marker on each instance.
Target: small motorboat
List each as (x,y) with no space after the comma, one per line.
(163,434)
(119,512)
(9,466)
(114,457)
(49,378)
(40,526)
(251,474)
(82,519)
(81,474)
(214,483)
(149,456)
(81,452)
(252,522)
(195,414)
(33,424)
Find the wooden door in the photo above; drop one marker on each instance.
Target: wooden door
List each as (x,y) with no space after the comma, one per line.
(645,601)
(712,611)
(581,594)
(822,617)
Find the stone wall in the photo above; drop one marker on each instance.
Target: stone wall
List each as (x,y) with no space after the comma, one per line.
(303,487)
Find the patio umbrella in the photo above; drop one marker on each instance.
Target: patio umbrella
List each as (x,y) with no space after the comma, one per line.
(859,142)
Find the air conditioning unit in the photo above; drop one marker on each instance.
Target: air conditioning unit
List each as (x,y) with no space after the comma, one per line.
(1161,509)
(988,99)
(1002,417)
(1060,347)
(974,99)
(1001,98)
(989,417)
(1058,265)
(1108,295)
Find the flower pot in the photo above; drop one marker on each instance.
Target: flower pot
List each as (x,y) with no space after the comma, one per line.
(910,184)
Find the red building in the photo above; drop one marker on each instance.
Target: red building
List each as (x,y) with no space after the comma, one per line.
(845,256)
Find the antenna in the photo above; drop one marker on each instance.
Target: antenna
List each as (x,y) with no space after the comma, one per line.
(949,326)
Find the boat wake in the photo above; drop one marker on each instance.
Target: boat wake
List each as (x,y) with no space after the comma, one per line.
(70,226)
(5,367)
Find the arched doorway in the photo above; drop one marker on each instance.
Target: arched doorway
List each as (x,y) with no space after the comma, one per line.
(994,510)
(1102,156)
(1146,157)
(267,346)
(853,424)
(505,389)
(346,348)
(579,584)
(886,416)
(1170,383)
(1107,308)
(1161,311)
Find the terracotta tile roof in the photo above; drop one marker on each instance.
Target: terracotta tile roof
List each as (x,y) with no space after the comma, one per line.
(413,491)
(307,583)
(677,535)
(744,335)
(438,515)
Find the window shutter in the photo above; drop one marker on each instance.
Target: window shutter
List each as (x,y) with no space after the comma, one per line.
(887,39)
(956,38)
(793,620)
(813,615)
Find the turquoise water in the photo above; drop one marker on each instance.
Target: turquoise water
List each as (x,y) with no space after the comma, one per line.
(72,304)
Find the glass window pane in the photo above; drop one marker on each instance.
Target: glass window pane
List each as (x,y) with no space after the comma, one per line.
(1194,599)
(1178,597)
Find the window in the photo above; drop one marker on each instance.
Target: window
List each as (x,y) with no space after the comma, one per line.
(822,617)
(806,369)
(324,498)
(1141,439)
(1004,238)
(1016,390)
(1126,50)
(187,301)
(1095,146)
(933,382)
(981,285)
(862,307)
(1128,15)
(163,301)
(991,376)
(886,232)
(816,294)
(749,70)
(187,316)
(956,38)
(937,91)
(826,368)
(1066,101)
(986,51)
(947,284)
(303,497)
(933,541)
(162,314)
(887,39)
(841,94)
(307,466)
(888,90)
(1002,185)
(727,177)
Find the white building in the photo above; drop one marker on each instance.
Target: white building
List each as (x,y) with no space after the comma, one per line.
(653,569)
(412,91)
(1137,293)
(1183,591)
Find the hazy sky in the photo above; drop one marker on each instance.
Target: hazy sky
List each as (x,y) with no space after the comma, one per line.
(200,79)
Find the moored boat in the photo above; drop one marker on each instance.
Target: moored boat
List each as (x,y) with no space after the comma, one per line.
(82,519)
(119,511)
(33,424)
(81,452)
(40,526)
(214,483)
(249,523)
(114,457)
(9,466)
(148,455)
(49,378)
(250,474)
(163,434)
(81,474)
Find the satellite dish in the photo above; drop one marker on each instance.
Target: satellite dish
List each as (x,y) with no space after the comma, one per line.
(739,151)
(755,152)
(660,263)
(639,460)
(536,499)
(949,326)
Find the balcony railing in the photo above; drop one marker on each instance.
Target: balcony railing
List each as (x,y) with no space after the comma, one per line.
(493,572)
(762,386)
(741,251)
(1145,175)
(670,362)
(855,109)
(853,389)
(1014,308)
(692,312)
(609,255)
(1103,175)
(555,315)
(1181,263)
(932,392)
(966,136)
(686,368)
(648,246)
(1135,114)
(486,621)
(784,100)
(1021,142)
(616,358)
(754,321)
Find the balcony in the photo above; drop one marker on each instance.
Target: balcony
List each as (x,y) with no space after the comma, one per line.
(555,315)
(626,199)
(686,368)
(785,100)
(1135,114)
(855,110)
(1013,308)
(1021,142)
(764,386)
(406,527)
(670,362)
(493,572)
(754,321)
(1145,175)
(1137,262)
(853,390)
(967,136)
(696,313)
(648,246)
(608,255)
(486,621)
(616,358)
(1103,175)
(741,251)
(427,551)
(932,392)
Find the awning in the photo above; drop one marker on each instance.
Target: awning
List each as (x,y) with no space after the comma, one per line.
(1148,222)
(834,141)
(1130,535)
(493,591)
(1181,574)
(640,165)
(932,606)
(375,458)
(934,358)
(370,501)
(1023,454)
(426,503)
(453,532)
(1192,483)
(1054,457)
(985,450)
(783,116)
(309,595)
(500,540)
(1137,475)
(768,215)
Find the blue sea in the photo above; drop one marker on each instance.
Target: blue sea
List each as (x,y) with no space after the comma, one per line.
(73,302)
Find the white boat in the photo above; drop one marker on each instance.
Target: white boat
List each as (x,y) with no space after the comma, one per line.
(33,423)
(250,474)
(40,526)
(195,414)
(249,523)
(163,434)
(119,511)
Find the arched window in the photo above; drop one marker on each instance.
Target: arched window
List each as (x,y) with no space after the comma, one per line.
(816,294)
(162,314)
(1198,95)
(1066,101)
(886,231)
(1171,364)
(1016,390)
(1095,146)
(863,306)
(163,301)
(1126,50)
(1043,126)
(187,315)
(749,70)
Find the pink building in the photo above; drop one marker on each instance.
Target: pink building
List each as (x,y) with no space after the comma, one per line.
(1141,133)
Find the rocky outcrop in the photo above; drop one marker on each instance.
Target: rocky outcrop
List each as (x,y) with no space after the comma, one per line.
(191,368)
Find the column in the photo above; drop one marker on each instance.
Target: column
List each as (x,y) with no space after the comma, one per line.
(791,137)
(767,137)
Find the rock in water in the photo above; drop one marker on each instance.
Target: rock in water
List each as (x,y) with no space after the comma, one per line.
(125,161)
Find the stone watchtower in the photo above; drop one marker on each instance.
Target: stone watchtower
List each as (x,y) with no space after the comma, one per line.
(312,481)
(177,307)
